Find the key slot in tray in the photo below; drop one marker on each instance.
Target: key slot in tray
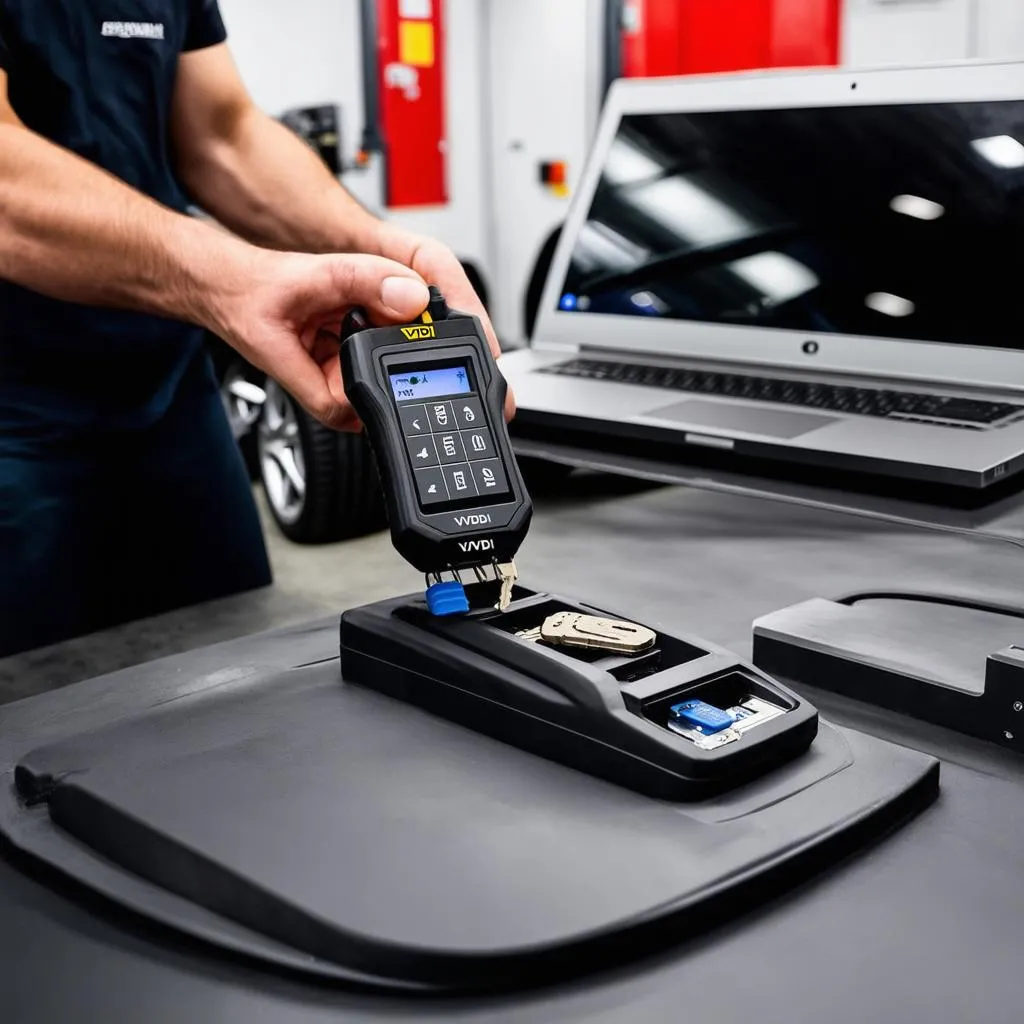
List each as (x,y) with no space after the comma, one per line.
(724,690)
(668,652)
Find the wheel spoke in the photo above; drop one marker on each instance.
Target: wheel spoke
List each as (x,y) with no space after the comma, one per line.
(246,392)
(285,457)
(274,482)
(281,454)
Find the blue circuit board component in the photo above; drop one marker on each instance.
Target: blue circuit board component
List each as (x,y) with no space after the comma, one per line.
(703,717)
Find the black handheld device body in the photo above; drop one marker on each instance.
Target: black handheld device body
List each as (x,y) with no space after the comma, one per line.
(432,400)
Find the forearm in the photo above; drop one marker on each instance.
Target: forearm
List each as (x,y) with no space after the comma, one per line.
(74,232)
(261,181)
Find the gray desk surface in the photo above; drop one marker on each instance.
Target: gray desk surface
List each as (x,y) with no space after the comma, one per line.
(926,926)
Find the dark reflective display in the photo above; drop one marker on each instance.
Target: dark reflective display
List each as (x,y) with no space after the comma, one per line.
(893,221)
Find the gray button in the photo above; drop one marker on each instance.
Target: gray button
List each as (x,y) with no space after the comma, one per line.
(459,479)
(449,448)
(469,413)
(479,444)
(421,451)
(414,420)
(490,477)
(441,416)
(430,485)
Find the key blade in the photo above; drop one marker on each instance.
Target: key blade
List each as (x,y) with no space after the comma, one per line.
(508,574)
(531,635)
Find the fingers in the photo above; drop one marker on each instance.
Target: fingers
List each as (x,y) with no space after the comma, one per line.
(510,406)
(306,364)
(385,289)
(472,304)
(281,326)
(318,389)
(402,298)
(343,416)
(439,266)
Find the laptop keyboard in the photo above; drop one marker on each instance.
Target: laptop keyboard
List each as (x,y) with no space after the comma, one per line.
(940,410)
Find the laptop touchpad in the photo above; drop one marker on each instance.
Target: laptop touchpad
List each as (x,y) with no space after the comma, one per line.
(745,419)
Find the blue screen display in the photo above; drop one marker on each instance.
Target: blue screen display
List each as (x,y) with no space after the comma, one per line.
(431,383)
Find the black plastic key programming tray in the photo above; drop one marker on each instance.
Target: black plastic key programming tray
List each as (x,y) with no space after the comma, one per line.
(249,795)
(601,713)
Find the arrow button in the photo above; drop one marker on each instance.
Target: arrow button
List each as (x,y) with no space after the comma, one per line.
(414,420)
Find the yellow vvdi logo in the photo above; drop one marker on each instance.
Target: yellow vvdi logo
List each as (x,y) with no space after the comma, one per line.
(419,332)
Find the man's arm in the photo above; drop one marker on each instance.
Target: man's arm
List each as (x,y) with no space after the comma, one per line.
(74,232)
(251,172)
(257,178)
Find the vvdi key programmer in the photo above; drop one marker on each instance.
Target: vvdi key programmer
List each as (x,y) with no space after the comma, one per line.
(432,399)
(668,716)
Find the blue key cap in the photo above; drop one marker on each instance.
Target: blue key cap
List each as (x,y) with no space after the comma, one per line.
(705,718)
(447,599)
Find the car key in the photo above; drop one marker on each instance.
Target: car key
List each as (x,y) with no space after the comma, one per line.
(531,635)
(573,629)
(432,400)
(507,574)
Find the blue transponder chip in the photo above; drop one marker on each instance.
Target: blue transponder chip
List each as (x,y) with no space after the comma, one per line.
(705,718)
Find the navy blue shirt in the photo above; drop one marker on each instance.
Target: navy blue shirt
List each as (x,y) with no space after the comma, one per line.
(97,77)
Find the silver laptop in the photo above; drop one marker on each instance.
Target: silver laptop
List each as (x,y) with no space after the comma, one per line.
(822,267)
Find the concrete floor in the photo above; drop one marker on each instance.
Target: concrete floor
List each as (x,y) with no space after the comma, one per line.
(310,582)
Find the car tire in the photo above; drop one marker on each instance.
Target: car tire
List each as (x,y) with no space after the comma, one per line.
(320,485)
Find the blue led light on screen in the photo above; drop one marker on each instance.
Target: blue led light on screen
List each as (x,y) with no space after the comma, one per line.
(568,301)
(430,383)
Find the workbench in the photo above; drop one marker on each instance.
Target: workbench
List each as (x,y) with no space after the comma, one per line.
(926,925)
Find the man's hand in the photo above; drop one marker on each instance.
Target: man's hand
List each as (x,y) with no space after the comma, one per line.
(259,180)
(437,264)
(283,316)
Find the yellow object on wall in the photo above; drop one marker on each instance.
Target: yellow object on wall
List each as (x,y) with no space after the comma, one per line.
(416,43)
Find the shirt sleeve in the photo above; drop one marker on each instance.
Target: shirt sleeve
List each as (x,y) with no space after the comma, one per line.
(205,25)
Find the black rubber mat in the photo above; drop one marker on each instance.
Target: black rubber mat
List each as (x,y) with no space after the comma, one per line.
(277,811)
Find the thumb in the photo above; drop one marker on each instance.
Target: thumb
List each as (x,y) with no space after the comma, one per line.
(382,287)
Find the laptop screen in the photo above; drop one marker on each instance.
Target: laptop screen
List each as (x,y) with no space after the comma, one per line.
(888,221)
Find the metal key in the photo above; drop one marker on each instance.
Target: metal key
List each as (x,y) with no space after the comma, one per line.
(575,629)
(530,635)
(508,574)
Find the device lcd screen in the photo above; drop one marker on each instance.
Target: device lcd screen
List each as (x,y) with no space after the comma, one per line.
(888,221)
(416,385)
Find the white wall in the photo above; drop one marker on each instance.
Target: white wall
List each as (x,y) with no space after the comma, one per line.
(542,78)
(905,31)
(307,52)
(920,31)
(1000,28)
(299,53)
